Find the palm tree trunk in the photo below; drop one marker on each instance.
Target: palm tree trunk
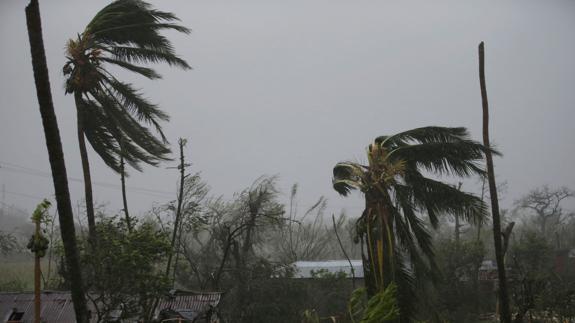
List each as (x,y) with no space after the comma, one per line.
(388,250)
(124,198)
(86,170)
(56,156)
(505,314)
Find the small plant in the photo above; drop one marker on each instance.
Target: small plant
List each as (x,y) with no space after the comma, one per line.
(310,316)
(382,307)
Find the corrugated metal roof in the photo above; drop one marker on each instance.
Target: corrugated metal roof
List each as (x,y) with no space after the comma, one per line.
(57,306)
(304,268)
(195,301)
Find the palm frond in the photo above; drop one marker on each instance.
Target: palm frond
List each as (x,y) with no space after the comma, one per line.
(118,117)
(98,135)
(426,135)
(440,198)
(406,288)
(393,181)
(347,176)
(146,55)
(130,99)
(125,33)
(125,13)
(410,226)
(460,158)
(144,71)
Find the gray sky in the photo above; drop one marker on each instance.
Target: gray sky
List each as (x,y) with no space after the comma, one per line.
(292,87)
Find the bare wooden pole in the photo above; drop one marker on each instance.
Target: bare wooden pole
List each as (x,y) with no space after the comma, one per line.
(182,169)
(504,312)
(37,276)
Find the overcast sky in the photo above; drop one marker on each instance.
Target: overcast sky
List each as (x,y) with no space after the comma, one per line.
(292,87)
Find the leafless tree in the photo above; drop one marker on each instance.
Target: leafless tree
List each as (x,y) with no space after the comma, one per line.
(545,204)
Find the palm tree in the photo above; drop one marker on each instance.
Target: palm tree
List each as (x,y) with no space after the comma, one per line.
(56,156)
(396,244)
(111,114)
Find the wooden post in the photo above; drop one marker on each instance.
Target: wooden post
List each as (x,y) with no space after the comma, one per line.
(37,276)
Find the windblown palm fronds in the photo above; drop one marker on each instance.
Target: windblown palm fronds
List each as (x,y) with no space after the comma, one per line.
(114,115)
(397,246)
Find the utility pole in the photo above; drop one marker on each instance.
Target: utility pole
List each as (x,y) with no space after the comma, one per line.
(182,169)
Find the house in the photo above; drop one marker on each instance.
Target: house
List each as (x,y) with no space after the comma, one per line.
(177,306)
(564,263)
(488,271)
(187,306)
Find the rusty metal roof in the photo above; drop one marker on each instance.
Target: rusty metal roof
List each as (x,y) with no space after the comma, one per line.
(195,301)
(57,305)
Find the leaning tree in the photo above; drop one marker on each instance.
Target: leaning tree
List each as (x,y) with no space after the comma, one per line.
(114,116)
(396,244)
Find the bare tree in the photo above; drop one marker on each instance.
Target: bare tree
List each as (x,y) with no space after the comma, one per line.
(545,204)
(304,236)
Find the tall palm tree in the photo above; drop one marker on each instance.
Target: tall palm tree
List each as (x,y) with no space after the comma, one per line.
(396,243)
(56,156)
(111,114)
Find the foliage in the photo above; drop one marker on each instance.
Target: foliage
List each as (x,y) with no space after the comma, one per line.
(38,243)
(8,243)
(125,267)
(458,295)
(303,236)
(310,316)
(559,298)
(381,307)
(16,275)
(544,204)
(267,300)
(532,253)
(397,192)
(125,33)
(532,260)
(326,274)
(540,287)
(460,260)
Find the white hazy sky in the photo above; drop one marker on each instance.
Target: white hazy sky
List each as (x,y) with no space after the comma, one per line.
(292,87)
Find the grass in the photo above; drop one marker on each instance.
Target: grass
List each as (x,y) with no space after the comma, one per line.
(17,273)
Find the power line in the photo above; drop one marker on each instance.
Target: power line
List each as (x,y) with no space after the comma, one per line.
(25,195)
(14,168)
(14,208)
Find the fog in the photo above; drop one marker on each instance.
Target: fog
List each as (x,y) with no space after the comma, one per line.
(292,87)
